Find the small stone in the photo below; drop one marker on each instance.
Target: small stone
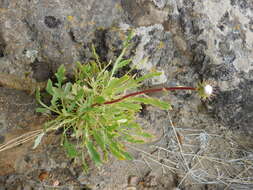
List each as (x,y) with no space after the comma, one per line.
(133,180)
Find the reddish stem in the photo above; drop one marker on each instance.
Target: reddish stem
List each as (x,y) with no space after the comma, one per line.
(147,91)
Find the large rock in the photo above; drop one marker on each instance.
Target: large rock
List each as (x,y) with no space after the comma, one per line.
(51,32)
(201,41)
(187,40)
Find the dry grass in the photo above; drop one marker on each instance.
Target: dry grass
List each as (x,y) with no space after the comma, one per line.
(195,156)
(200,157)
(29,136)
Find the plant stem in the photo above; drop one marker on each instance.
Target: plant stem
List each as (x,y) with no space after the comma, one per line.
(148,91)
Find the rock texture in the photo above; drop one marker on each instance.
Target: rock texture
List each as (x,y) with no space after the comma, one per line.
(52,32)
(187,40)
(203,42)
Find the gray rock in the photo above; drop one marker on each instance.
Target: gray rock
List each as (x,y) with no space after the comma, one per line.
(203,42)
(58,31)
(188,41)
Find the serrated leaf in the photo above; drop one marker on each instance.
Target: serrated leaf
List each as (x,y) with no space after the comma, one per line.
(54,100)
(70,148)
(60,75)
(49,87)
(58,92)
(93,153)
(152,101)
(38,140)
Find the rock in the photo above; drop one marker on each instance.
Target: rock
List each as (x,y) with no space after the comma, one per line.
(133,180)
(144,12)
(187,41)
(58,31)
(201,42)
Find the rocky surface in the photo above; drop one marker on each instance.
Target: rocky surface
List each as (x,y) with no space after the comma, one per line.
(187,40)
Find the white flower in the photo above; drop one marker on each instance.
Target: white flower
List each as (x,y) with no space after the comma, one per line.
(208,89)
(205,90)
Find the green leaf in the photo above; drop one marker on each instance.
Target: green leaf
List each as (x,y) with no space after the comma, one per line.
(67,88)
(123,63)
(116,82)
(148,76)
(70,148)
(43,110)
(95,54)
(133,125)
(99,99)
(38,99)
(144,134)
(130,84)
(72,106)
(49,87)
(65,113)
(37,95)
(84,109)
(129,105)
(85,167)
(127,155)
(133,140)
(80,94)
(58,92)
(153,101)
(129,37)
(117,153)
(116,150)
(93,153)
(111,127)
(54,100)
(38,140)
(99,136)
(60,75)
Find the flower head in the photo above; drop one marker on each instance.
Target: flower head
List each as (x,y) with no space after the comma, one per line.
(205,90)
